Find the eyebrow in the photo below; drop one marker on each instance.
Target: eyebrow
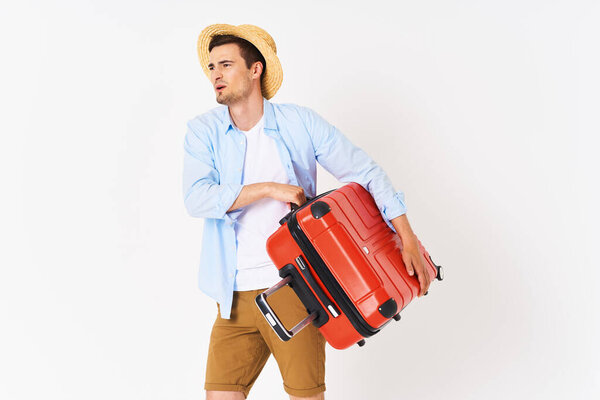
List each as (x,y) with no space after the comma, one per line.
(221,62)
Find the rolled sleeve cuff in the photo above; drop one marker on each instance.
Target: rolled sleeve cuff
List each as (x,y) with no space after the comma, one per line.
(394,208)
(229,194)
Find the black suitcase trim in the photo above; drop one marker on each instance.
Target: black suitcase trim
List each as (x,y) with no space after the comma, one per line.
(305,295)
(314,259)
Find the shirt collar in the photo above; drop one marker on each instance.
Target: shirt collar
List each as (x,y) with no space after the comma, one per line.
(269,114)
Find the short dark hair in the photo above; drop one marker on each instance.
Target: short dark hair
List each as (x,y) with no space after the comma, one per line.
(248,51)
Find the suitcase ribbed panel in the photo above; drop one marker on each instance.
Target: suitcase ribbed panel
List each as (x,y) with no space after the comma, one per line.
(341,238)
(354,257)
(354,274)
(339,332)
(330,283)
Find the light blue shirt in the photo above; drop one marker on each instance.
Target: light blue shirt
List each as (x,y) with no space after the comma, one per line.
(213,162)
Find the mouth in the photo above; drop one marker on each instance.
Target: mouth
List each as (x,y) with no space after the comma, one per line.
(220,88)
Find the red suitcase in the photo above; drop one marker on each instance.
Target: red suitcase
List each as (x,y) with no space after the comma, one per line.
(344,262)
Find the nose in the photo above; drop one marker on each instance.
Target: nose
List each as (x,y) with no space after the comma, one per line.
(216,74)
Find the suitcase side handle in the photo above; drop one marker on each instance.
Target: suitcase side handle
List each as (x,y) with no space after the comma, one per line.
(293,207)
(272,319)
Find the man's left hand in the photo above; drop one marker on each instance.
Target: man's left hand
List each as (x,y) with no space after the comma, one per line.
(411,253)
(414,262)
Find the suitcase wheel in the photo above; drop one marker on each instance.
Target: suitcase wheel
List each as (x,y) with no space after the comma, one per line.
(397,317)
(361,343)
(440,273)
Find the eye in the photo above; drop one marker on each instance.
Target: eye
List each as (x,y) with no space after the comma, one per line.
(227,65)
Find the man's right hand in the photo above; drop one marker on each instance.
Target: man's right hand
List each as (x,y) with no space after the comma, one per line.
(286,193)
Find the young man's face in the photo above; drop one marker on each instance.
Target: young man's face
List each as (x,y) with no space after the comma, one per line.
(230,78)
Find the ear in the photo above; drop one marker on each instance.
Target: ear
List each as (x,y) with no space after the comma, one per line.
(257,69)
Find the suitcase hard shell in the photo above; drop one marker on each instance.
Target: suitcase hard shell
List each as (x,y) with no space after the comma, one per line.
(345,264)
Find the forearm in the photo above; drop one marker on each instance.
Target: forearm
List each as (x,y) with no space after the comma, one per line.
(204,199)
(403,228)
(251,193)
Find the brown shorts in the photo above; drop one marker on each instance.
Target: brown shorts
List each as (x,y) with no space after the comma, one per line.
(240,346)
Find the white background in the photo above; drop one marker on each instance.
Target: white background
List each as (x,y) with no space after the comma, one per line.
(485,113)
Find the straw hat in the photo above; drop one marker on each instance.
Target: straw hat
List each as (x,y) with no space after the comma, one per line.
(259,38)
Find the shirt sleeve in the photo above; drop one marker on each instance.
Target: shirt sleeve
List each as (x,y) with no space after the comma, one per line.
(204,196)
(349,163)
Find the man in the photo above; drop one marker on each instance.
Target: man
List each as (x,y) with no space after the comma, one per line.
(244,163)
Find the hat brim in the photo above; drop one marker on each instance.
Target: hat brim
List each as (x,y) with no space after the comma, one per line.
(271,82)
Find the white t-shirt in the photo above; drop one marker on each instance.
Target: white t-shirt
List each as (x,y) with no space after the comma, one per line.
(260,219)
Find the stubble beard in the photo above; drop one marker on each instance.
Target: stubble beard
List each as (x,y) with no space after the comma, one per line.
(234,97)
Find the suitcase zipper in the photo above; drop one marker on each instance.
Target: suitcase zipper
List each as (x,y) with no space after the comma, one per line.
(312,283)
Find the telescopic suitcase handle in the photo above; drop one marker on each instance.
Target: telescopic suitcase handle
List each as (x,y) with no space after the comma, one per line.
(266,310)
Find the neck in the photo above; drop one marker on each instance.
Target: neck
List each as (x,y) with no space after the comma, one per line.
(246,113)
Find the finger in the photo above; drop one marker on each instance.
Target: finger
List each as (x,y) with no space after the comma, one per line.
(427,278)
(409,268)
(422,279)
(425,285)
(301,199)
(302,195)
(422,283)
